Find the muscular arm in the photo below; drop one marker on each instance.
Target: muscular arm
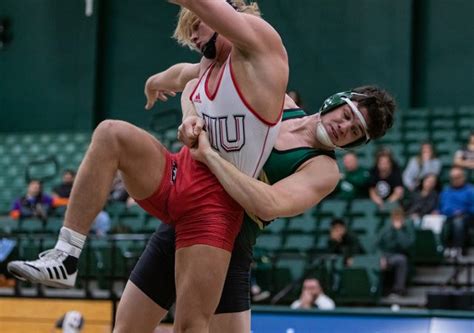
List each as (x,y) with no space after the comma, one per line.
(192,124)
(187,107)
(289,197)
(247,32)
(176,77)
(173,79)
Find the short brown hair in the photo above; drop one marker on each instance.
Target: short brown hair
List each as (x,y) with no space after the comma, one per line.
(186,20)
(398,211)
(380,106)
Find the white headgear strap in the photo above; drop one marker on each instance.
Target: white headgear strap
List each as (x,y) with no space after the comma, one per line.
(359,115)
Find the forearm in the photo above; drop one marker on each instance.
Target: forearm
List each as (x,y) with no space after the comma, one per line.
(176,77)
(187,107)
(375,197)
(253,195)
(396,195)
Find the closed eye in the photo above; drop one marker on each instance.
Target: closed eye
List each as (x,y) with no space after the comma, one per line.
(347,115)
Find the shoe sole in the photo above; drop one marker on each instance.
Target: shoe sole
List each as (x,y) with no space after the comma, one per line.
(25,276)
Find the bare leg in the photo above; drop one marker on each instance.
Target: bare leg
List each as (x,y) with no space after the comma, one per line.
(137,312)
(200,275)
(116,145)
(235,322)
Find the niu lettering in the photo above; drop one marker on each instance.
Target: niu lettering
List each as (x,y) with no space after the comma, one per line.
(224,133)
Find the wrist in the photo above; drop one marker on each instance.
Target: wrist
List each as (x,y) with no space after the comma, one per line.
(210,156)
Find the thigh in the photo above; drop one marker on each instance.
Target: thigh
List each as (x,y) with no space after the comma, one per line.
(235,296)
(200,274)
(237,322)
(154,272)
(142,158)
(137,312)
(396,259)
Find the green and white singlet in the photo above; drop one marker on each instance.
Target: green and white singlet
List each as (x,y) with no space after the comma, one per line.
(280,164)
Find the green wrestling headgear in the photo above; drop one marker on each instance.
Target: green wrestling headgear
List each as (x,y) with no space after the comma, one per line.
(332,103)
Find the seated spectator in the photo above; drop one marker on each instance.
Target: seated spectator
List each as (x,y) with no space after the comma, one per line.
(102,224)
(63,190)
(464,158)
(385,184)
(420,166)
(34,203)
(354,179)
(312,296)
(395,241)
(118,192)
(425,200)
(343,242)
(456,202)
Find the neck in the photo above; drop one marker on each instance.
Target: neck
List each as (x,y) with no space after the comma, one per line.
(223,53)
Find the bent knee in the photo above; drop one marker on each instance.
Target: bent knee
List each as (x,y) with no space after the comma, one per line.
(133,325)
(112,128)
(115,133)
(192,324)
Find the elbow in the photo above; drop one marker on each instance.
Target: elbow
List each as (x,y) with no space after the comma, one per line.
(266,212)
(266,215)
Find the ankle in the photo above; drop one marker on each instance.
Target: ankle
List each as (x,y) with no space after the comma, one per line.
(72,237)
(70,241)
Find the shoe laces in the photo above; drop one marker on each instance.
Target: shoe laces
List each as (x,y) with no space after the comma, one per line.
(52,256)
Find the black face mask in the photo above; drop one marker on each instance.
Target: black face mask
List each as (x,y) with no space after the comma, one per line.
(209,49)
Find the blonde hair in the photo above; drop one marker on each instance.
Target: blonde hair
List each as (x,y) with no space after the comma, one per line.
(187,19)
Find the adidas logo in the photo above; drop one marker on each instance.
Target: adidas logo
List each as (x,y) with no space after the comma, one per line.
(197,99)
(56,270)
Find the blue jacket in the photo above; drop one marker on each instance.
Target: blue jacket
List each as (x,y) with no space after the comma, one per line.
(456,201)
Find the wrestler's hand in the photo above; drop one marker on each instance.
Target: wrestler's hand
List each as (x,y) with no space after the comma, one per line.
(189,130)
(203,148)
(154,92)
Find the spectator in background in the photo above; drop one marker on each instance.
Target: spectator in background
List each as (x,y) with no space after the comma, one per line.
(34,203)
(63,190)
(312,296)
(456,202)
(464,158)
(61,193)
(385,184)
(118,192)
(343,242)
(425,200)
(395,241)
(419,166)
(354,179)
